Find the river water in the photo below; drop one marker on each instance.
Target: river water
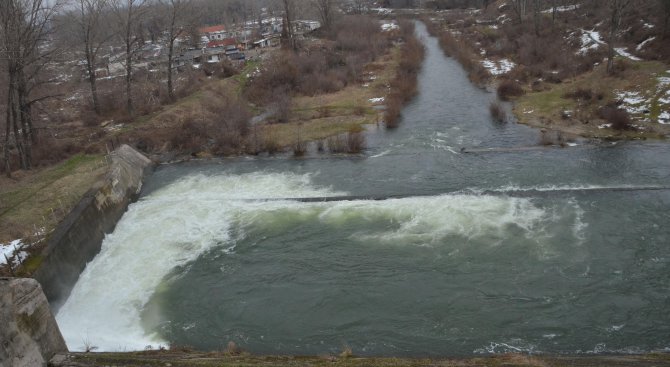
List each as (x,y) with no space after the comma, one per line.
(541,251)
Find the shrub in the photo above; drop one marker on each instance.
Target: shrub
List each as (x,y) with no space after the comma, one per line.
(404,83)
(580,94)
(352,142)
(619,118)
(497,112)
(509,88)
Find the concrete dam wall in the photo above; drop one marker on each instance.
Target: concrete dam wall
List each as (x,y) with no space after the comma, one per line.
(79,237)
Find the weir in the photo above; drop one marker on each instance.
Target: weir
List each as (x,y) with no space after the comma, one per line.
(78,237)
(519,192)
(554,251)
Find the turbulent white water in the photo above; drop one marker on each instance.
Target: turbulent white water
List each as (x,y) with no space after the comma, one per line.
(178,223)
(168,228)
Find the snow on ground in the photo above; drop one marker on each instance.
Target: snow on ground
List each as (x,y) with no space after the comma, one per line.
(623,52)
(389,26)
(664,118)
(13,248)
(591,40)
(644,43)
(382,10)
(665,99)
(376,100)
(633,102)
(498,67)
(604,126)
(560,9)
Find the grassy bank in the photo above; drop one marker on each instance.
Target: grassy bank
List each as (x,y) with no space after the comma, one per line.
(33,203)
(553,68)
(175,359)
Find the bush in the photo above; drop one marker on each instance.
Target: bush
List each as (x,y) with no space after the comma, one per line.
(404,83)
(352,142)
(497,112)
(619,118)
(509,88)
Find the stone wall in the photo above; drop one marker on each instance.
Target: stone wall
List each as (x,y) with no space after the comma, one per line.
(29,335)
(79,237)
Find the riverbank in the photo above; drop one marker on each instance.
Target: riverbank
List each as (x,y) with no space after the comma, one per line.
(211,122)
(211,359)
(567,91)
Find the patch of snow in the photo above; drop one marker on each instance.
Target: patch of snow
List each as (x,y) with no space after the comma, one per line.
(387,27)
(366,85)
(648,25)
(376,100)
(663,82)
(500,67)
(633,102)
(493,26)
(572,144)
(113,128)
(590,40)
(644,43)
(604,126)
(623,52)
(14,249)
(560,9)
(664,118)
(382,10)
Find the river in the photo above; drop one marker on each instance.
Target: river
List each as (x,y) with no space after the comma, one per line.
(555,250)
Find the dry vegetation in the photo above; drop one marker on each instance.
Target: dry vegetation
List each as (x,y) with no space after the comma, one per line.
(404,83)
(348,358)
(555,63)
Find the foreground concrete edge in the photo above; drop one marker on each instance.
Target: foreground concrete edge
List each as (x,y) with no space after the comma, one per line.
(29,335)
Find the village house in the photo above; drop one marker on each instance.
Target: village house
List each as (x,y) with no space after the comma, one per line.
(214,33)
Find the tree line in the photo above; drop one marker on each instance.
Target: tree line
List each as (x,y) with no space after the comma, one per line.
(36,36)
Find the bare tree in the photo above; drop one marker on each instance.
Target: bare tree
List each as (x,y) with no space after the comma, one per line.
(520,8)
(360,6)
(616,9)
(179,16)
(128,15)
(92,34)
(25,27)
(288,37)
(665,6)
(537,14)
(326,11)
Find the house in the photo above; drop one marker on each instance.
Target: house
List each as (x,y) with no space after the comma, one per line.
(222,43)
(233,53)
(214,33)
(269,41)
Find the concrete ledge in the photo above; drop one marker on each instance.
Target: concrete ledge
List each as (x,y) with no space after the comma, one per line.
(29,335)
(78,238)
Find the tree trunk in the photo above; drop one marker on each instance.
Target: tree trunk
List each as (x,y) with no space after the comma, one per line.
(8,168)
(129,70)
(169,70)
(90,67)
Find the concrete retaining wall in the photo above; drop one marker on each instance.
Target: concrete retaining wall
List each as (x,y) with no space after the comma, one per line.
(79,237)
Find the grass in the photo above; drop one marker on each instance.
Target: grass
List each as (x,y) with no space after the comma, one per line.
(40,199)
(544,108)
(316,129)
(181,358)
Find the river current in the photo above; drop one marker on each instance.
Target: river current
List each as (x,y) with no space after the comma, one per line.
(553,250)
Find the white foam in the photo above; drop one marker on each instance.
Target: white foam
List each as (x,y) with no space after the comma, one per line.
(166,229)
(381,154)
(176,224)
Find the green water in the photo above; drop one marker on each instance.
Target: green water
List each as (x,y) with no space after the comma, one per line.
(545,251)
